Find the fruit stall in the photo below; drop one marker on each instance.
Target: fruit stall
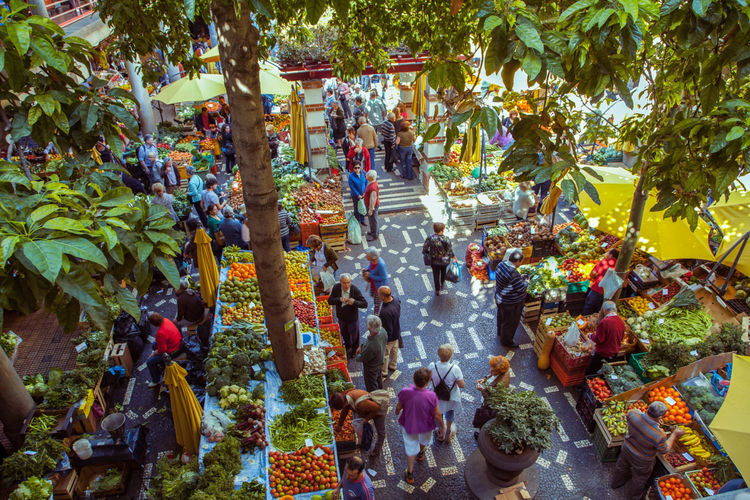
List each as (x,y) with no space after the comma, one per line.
(261,430)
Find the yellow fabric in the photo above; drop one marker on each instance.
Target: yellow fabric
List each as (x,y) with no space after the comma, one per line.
(733,217)
(273,84)
(297,128)
(211,55)
(419,103)
(209,274)
(186,411)
(662,238)
(730,423)
(550,202)
(472,151)
(203,87)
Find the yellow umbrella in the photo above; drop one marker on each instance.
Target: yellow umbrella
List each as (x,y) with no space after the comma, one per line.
(209,275)
(186,412)
(733,217)
(211,55)
(419,104)
(472,148)
(201,88)
(662,238)
(270,80)
(730,423)
(297,128)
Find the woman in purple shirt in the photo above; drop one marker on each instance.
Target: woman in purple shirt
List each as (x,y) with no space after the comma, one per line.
(418,411)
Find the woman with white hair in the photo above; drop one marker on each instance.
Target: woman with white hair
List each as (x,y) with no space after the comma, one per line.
(376,274)
(164,199)
(359,153)
(370,354)
(372,203)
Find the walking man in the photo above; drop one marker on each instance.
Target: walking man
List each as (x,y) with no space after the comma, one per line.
(370,354)
(369,138)
(390,316)
(347,300)
(388,131)
(372,203)
(510,294)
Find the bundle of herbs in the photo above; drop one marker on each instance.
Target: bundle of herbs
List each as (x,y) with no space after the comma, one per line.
(236,357)
(337,382)
(38,456)
(289,430)
(727,339)
(307,387)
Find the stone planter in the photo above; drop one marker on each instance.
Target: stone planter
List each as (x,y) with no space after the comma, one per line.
(503,469)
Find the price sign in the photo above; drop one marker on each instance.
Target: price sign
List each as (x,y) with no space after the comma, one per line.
(646,341)
(308,442)
(661,321)
(605,244)
(669,401)
(256,367)
(30,453)
(80,347)
(548,322)
(709,491)
(664,291)
(613,377)
(693,353)
(669,497)
(372,473)
(651,305)
(721,302)
(688,457)
(331,354)
(318,452)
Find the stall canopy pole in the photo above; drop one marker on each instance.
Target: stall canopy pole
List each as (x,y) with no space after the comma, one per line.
(482,162)
(741,243)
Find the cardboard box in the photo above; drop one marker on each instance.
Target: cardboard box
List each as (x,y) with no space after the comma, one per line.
(516,492)
(120,356)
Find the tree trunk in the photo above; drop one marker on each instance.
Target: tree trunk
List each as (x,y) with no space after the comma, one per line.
(629,243)
(238,48)
(15,401)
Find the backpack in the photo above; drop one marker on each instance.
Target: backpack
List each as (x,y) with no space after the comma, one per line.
(380,396)
(441,389)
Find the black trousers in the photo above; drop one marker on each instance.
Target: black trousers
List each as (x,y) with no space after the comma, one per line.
(438,275)
(508,318)
(201,213)
(389,156)
(230,161)
(350,334)
(373,377)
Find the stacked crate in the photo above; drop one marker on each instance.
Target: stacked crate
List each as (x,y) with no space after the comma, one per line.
(334,235)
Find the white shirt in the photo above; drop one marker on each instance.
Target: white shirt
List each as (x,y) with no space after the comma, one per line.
(450,380)
(522,202)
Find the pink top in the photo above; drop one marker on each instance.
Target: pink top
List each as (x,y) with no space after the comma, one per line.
(418,406)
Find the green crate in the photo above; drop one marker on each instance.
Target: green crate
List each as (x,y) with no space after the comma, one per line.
(634,360)
(581,286)
(605,454)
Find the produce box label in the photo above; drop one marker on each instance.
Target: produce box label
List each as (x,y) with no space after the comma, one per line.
(318,452)
(669,401)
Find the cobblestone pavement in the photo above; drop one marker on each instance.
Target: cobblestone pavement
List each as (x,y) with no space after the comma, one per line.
(464,316)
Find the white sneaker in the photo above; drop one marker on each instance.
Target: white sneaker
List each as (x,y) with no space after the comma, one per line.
(151,385)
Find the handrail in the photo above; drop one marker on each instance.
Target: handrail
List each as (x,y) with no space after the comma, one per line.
(66,12)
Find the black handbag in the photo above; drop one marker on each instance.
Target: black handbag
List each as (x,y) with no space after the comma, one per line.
(483,415)
(427,259)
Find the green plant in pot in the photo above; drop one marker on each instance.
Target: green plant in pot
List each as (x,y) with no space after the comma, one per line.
(521,429)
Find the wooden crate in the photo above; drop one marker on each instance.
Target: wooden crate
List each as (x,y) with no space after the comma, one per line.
(333,229)
(531,311)
(63,486)
(338,243)
(120,356)
(89,473)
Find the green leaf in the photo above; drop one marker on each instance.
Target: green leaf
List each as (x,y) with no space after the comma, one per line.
(341,7)
(143,275)
(65,224)
(631,7)
(600,18)
(724,178)
(128,302)
(116,196)
(189,7)
(527,33)
(531,64)
(700,7)
(34,114)
(144,249)
(7,247)
(40,214)
(265,8)
(168,269)
(497,52)
(20,35)
(579,5)
(456,76)
(46,102)
(718,144)
(488,118)
(92,115)
(492,22)
(81,286)
(114,221)
(569,190)
(82,249)
(2,60)
(668,7)
(15,178)
(590,190)
(110,237)
(49,54)
(459,118)
(593,173)
(44,256)
(46,23)
(432,131)
(735,133)
(315,9)
(61,121)
(508,71)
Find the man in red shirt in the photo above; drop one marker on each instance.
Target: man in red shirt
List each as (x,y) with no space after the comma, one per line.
(607,338)
(372,202)
(595,296)
(168,340)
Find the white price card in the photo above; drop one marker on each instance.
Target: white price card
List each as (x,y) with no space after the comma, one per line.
(30,453)
(661,321)
(318,452)
(80,347)
(664,291)
(709,491)
(613,377)
(721,302)
(646,341)
(548,322)
(308,442)
(256,367)
(372,473)
(605,244)
(651,305)
(669,400)
(669,497)
(688,457)
(693,353)
(331,354)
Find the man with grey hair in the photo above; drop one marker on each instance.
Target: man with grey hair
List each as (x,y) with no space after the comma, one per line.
(372,203)
(195,191)
(145,159)
(369,138)
(191,309)
(347,300)
(510,295)
(371,353)
(607,338)
(388,131)
(232,229)
(642,442)
(376,274)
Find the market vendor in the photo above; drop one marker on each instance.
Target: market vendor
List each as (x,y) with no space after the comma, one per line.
(191,309)
(168,339)
(607,338)
(365,407)
(643,441)
(205,123)
(595,297)
(523,200)
(322,257)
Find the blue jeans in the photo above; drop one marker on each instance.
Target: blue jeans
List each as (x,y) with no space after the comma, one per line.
(448,417)
(285,243)
(372,157)
(406,154)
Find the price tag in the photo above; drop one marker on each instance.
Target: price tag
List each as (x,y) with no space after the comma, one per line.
(664,291)
(548,322)
(532,230)
(256,367)
(661,321)
(331,354)
(613,377)
(669,497)
(709,491)
(309,442)
(721,302)
(693,353)
(318,452)
(646,341)
(80,347)
(30,453)
(651,305)
(605,244)
(688,457)
(669,400)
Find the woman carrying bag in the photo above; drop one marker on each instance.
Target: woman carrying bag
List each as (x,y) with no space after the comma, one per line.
(437,252)
(322,260)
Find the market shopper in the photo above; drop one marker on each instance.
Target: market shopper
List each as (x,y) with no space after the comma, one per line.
(164,199)
(358,111)
(146,159)
(357,186)
(499,374)
(167,340)
(405,143)
(595,295)
(388,131)
(231,228)
(191,309)
(347,300)
(154,171)
(171,175)
(227,148)
(273,141)
(343,90)
(285,225)
(510,294)
(418,413)
(438,251)
(361,154)
(225,110)
(366,408)
(214,220)
(376,274)
(347,145)
(338,125)
(390,315)
(370,354)
(376,110)
(607,338)
(209,195)
(447,382)
(523,200)
(355,483)
(643,441)
(372,203)
(369,137)
(195,191)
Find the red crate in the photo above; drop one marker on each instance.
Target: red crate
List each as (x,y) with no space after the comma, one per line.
(338,350)
(566,359)
(307,229)
(333,327)
(567,378)
(341,365)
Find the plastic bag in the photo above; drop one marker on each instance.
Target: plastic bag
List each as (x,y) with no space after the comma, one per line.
(361,207)
(610,283)
(572,336)
(453,273)
(328,279)
(353,232)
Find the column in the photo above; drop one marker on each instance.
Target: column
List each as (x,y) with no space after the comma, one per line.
(212,35)
(434,149)
(39,8)
(317,139)
(145,112)
(405,80)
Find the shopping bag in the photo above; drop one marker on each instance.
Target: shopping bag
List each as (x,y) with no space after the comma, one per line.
(353,231)
(328,279)
(453,273)
(610,283)
(572,335)
(361,207)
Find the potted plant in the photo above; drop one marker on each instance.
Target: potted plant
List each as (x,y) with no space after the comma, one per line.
(512,441)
